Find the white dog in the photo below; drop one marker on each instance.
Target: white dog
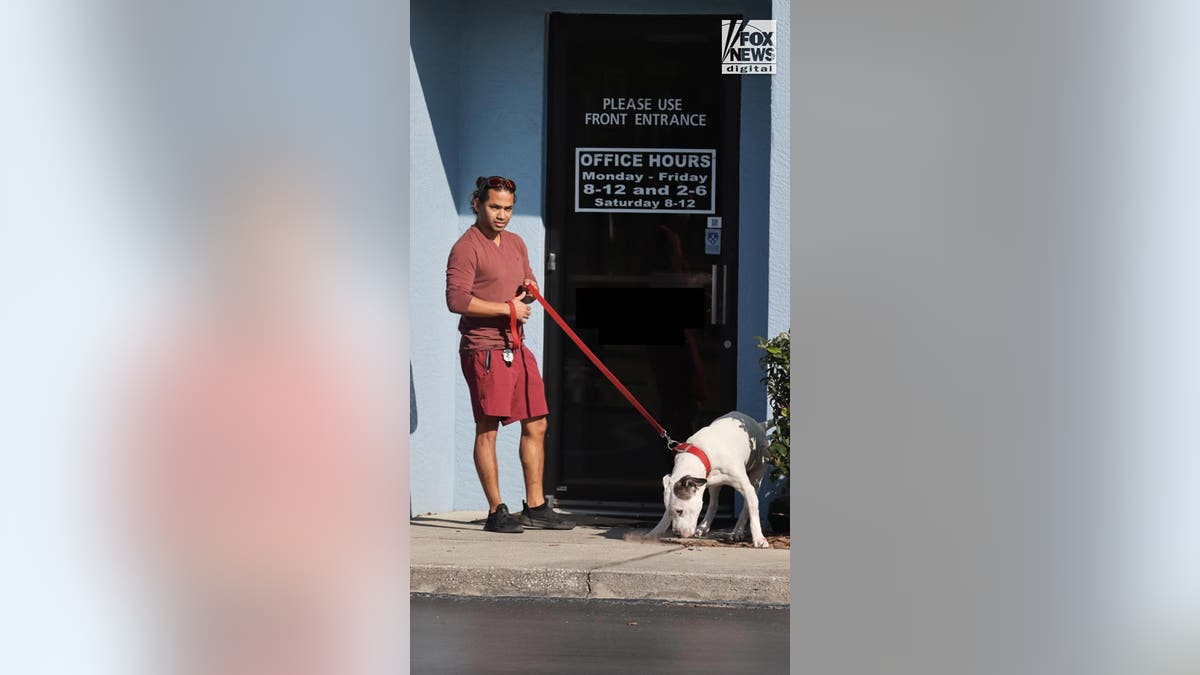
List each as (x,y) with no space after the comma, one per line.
(733,445)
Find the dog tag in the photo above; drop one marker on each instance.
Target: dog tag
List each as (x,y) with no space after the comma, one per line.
(508,356)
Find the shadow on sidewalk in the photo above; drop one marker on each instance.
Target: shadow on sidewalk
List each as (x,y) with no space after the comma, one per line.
(445,523)
(590,527)
(717,537)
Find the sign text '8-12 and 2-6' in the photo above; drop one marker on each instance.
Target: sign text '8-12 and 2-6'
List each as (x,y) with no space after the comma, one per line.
(645,180)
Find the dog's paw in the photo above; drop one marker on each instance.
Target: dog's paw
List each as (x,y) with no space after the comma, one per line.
(701,531)
(762,543)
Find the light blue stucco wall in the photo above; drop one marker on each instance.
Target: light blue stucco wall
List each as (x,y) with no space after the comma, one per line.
(433,351)
(779,249)
(478,107)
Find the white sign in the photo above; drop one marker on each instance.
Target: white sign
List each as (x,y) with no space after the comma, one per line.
(645,180)
(712,242)
(748,46)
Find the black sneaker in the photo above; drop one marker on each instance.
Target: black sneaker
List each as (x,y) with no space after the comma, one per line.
(544,517)
(502,521)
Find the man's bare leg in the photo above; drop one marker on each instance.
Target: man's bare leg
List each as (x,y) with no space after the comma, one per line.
(533,458)
(485,460)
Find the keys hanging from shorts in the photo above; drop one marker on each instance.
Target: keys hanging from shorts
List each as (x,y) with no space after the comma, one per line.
(508,357)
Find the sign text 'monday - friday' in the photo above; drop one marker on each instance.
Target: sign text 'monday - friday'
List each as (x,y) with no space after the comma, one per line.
(662,176)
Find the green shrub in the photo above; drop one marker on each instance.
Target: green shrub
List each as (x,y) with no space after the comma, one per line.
(777,366)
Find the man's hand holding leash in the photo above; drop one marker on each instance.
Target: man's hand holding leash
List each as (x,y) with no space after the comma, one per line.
(523,308)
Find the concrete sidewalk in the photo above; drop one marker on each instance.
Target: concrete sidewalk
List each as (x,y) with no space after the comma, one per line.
(452,554)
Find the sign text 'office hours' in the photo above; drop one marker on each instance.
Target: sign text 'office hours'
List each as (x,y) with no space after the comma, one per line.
(645,180)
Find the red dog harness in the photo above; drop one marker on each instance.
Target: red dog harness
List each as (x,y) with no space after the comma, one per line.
(693,450)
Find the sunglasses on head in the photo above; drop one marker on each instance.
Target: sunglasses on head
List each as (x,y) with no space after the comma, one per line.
(498,182)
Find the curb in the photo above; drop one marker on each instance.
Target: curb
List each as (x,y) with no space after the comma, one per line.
(601,583)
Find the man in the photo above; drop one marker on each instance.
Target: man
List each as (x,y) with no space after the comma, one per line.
(486,268)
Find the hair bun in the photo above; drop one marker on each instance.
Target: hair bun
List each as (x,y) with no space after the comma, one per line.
(480,182)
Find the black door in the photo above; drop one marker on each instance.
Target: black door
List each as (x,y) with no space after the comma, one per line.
(642,204)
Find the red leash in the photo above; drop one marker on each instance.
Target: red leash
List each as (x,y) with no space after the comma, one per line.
(674,446)
(512,324)
(607,373)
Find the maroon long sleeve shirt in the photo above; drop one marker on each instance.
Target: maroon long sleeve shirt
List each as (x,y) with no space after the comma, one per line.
(478,267)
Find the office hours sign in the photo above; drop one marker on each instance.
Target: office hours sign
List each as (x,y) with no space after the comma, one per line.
(645,180)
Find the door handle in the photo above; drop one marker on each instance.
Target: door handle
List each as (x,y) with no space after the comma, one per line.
(713,289)
(720,296)
(724,294)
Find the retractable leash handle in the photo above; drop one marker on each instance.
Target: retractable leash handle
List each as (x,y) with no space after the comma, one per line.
(671,444)
(512,316)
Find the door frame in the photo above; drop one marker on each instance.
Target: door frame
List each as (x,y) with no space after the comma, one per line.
(556,160)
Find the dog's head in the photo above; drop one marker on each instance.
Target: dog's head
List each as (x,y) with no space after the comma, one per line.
(683,499)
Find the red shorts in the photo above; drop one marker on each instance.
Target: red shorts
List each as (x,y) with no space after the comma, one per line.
(511,392)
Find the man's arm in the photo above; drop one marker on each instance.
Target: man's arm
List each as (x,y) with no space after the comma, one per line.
(460,274)
(477,308)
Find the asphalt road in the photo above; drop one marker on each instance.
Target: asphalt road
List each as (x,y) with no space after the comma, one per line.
(583,637)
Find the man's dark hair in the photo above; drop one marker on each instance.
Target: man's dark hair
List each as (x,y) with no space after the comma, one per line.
(485,184)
